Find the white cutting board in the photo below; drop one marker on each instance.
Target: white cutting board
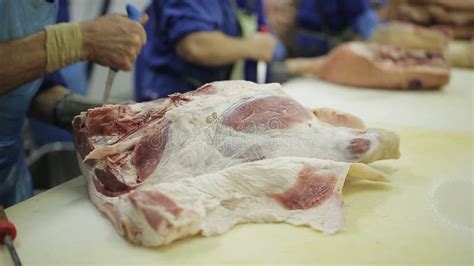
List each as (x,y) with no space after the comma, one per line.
(449,109)
(424,215)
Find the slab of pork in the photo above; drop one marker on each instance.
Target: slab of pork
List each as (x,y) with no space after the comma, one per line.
(203,161)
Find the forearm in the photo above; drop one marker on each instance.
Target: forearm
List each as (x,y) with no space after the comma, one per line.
(43,104)
(215,49)
(304,66)
(112,41)
(281,71)
(22,60)
(58,106)
(29,58)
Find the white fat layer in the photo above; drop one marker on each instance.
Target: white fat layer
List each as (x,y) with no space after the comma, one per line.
(203,169)
(214,203)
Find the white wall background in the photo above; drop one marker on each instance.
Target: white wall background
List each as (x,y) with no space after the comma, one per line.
(89,9)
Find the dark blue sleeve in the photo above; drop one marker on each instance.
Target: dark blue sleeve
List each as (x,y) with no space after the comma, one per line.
(308,15)
(353,8)
(182,17)
(361,16)
(334,15)
(51,80)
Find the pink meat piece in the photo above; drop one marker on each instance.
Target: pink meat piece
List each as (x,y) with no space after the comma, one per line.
(149,149)
(265,113)
(310,190)
(382,66)
(378,66)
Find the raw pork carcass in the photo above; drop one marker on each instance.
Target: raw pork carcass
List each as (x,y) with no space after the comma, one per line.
(227,153)
(379,66)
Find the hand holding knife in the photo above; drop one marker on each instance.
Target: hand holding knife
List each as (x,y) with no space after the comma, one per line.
(134,14)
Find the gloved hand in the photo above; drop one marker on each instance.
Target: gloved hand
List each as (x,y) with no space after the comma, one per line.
(70,105)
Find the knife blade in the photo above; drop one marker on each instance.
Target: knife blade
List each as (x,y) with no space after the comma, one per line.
(108,84)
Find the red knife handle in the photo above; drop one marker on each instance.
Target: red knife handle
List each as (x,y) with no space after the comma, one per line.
(6,227)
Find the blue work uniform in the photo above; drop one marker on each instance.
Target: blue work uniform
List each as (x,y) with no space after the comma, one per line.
(160,71)
(18,19)
(322,24)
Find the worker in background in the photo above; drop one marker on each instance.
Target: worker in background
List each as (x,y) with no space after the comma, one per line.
(313,27)
(31,48)
(199,41)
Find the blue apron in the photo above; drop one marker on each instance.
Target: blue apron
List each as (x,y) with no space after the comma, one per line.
(18,19)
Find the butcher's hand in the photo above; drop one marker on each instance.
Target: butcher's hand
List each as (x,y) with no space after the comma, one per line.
(113,40)
(305,66)
(266,47)
(302,66)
